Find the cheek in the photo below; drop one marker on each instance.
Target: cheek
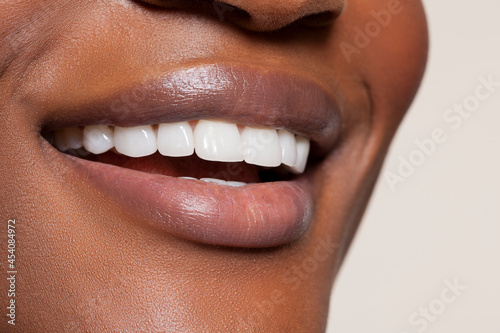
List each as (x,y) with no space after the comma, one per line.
(20,25)
(379,51)
(386,43)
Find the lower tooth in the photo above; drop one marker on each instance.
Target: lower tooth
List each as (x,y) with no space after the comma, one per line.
(217,181)
(213,180)
(236,184)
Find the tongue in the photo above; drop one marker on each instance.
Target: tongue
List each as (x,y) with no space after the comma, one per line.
(191,166)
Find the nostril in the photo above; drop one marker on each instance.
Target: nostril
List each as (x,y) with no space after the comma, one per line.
(229,12)
(222,10)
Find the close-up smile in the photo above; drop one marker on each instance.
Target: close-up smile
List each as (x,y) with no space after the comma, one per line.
(241,179)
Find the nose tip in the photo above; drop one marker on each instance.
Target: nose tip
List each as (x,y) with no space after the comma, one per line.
(266,15)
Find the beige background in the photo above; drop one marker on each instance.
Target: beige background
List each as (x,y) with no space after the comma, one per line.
(443,223)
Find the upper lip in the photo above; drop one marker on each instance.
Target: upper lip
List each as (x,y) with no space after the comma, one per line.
(243,96)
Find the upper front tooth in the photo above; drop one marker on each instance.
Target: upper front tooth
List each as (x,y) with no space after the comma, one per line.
(261,146)
(217,141)
(303,146)
(135,141)
(175,139)
(288,148)
(98,139)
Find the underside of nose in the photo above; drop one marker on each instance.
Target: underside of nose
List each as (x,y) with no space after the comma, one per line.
(274,15)
(262,15)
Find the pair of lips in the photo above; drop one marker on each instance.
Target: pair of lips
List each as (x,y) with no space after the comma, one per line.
(262,214)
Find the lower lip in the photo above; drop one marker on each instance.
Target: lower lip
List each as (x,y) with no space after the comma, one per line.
(255,216)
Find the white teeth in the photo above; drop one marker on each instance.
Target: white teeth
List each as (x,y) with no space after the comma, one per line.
(303,146)
(98,139)
(223,182)
(213,180)
(288,148)
(211,140)
(218,181)
(236,184)
(261,146)
(217,141)
(175,139)
(191,178)
(135,141)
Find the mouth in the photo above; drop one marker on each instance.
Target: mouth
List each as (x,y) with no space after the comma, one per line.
(216,155)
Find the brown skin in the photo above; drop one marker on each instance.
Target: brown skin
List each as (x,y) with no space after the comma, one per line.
(84,263)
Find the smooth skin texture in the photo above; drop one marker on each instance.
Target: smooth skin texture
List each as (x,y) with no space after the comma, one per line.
(86,263)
